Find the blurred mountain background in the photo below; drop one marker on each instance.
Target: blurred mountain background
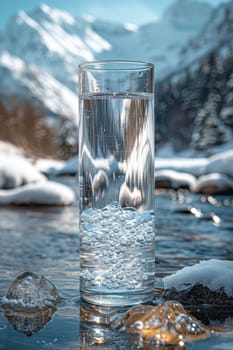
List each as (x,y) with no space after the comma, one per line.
(191,45)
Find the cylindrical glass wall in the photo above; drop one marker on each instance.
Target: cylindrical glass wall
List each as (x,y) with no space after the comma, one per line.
(116,182)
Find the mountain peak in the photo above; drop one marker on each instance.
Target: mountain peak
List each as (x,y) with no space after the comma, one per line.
(215,35)
(53,42)
(221,20)
(187,14)
(53,14)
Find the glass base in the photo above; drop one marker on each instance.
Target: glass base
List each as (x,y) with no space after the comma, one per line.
(104,308)
(117,300)
(100,315)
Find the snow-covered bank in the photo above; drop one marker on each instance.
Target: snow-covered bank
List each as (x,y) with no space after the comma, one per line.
(214,274)
(209,281)
(194,166)
(169,178)
(210,175)
(221,163)
(215,183)
(16,171)
(8,148)
(57,168)
(41,193)
(22,184)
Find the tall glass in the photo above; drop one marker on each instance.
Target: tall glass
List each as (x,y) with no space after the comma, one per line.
(116,182)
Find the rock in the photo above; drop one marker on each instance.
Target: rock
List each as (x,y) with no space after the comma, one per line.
(173,179)
(215,183)
(199,294)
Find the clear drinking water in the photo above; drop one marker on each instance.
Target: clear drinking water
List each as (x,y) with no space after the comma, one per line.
(117,238)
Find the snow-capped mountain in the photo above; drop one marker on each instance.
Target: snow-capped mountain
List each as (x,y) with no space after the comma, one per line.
(53,41)
(160,42)
(215,35)
(40,51)
(188,15)
(27,81)
(42,65)
(199,96)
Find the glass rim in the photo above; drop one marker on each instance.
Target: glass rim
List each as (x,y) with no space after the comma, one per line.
(115,65)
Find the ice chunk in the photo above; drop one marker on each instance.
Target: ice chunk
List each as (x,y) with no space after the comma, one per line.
(167,324)
(30,292)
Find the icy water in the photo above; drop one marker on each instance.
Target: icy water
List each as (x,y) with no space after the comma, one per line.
(45,241)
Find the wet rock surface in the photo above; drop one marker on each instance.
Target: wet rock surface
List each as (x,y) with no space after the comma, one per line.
(199,294)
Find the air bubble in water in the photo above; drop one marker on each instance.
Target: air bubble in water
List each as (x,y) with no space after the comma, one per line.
(119,245)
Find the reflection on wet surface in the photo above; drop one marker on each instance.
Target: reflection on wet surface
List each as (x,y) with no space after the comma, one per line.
(45,241)
(29,322)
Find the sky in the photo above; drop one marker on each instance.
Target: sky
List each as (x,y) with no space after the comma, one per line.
(126,11)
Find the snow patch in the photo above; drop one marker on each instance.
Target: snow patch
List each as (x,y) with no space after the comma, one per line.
(58,168)
(16,171)
(131,27)
(43,193)
(24,18)
(8,149)
(214,274)
(194,166)
(213,184)
(56,15)
(10,61)
(49,166)
(174,179)
(221,163)
(30,83)
(22,184)
(226,113)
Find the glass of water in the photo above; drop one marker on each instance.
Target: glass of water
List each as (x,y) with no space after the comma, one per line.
(116,182)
